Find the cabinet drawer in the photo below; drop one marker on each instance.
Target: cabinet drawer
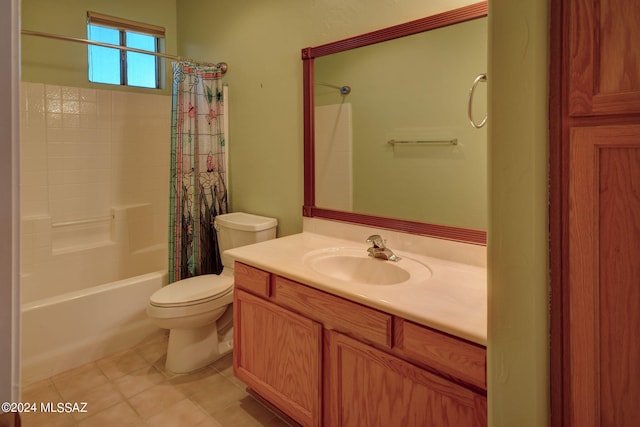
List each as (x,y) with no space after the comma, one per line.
(457,358)
(334,312)
(252,279)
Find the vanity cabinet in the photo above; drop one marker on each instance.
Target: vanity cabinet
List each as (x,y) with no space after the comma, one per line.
(369,387)
(325,360)
(276,351)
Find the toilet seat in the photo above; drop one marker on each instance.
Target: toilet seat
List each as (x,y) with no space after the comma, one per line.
(194,290)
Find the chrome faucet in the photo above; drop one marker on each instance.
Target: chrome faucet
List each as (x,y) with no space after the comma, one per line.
(379,250)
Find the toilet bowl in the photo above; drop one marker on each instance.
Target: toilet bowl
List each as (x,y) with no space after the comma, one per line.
(197,310)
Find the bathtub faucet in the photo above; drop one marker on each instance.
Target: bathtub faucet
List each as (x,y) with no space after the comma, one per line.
(379,250)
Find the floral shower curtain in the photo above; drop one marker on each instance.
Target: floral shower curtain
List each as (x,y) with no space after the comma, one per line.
(198,191)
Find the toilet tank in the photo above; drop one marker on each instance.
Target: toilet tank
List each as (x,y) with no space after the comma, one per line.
(241,229)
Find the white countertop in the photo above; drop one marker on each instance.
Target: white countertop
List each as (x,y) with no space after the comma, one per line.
(452,300)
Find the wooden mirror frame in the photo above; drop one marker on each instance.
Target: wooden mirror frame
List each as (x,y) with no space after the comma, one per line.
(463,14)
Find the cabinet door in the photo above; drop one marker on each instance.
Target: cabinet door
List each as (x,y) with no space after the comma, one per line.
(277,353)
(604,275)
(604,57)
(368,387)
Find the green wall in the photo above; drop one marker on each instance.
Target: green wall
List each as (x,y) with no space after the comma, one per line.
(65,63)
(261,41)
(518,329)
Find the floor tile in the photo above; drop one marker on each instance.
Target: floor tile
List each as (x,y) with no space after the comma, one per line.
(77,380)
(43,391)
(138,381)
(121,415)
(153,349)
(225,367)
(36,386)
(132,388)
(257,411)
(101,397)
(155,399)
(209,422)
(184,413)
(202,379)
(236,415)
(220,394)
(122,363)
(39,419)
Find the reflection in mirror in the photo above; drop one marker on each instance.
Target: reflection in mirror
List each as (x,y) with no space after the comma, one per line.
(398,151)
(412,89)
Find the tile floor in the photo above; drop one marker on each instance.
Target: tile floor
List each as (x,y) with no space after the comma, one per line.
(132,388)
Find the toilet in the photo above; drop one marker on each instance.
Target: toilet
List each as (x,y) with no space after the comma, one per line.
(197,311)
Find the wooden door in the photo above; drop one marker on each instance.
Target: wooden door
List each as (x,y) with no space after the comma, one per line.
(595,213)
(369,388)
(604,56)
(604,284)
(277,353)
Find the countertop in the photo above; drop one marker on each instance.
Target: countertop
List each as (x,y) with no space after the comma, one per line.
(452,300)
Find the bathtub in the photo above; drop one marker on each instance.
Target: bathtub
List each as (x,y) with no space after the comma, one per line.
(74,328)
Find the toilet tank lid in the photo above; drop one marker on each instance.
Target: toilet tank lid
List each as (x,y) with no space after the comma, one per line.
(246,222)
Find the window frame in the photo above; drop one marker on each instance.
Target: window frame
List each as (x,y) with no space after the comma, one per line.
(123,26)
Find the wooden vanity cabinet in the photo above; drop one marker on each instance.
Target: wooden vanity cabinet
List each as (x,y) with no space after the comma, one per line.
(369,387)
(326,361)
(277,354)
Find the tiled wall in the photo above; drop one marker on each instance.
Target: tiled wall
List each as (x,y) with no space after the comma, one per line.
(91,160)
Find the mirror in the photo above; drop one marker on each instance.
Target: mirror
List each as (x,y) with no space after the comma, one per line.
(408,85)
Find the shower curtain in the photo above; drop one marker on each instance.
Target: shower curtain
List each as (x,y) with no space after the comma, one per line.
(198,191)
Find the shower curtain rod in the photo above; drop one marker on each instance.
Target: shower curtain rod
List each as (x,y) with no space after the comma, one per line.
(222,65)
(345,90)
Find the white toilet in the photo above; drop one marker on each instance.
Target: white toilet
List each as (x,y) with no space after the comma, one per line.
(197,310)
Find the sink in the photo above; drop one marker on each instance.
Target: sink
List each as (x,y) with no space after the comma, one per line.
(355,266)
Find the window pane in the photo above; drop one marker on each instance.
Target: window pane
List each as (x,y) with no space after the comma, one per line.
(104,62)
(141,68)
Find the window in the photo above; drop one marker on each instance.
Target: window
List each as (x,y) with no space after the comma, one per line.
(118,66)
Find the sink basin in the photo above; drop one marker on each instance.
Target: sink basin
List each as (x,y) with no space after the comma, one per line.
(355,266)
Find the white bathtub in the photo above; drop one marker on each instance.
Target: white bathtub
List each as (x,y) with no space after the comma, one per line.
(69,330)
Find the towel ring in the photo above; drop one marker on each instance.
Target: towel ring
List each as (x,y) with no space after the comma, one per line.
(480,78)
